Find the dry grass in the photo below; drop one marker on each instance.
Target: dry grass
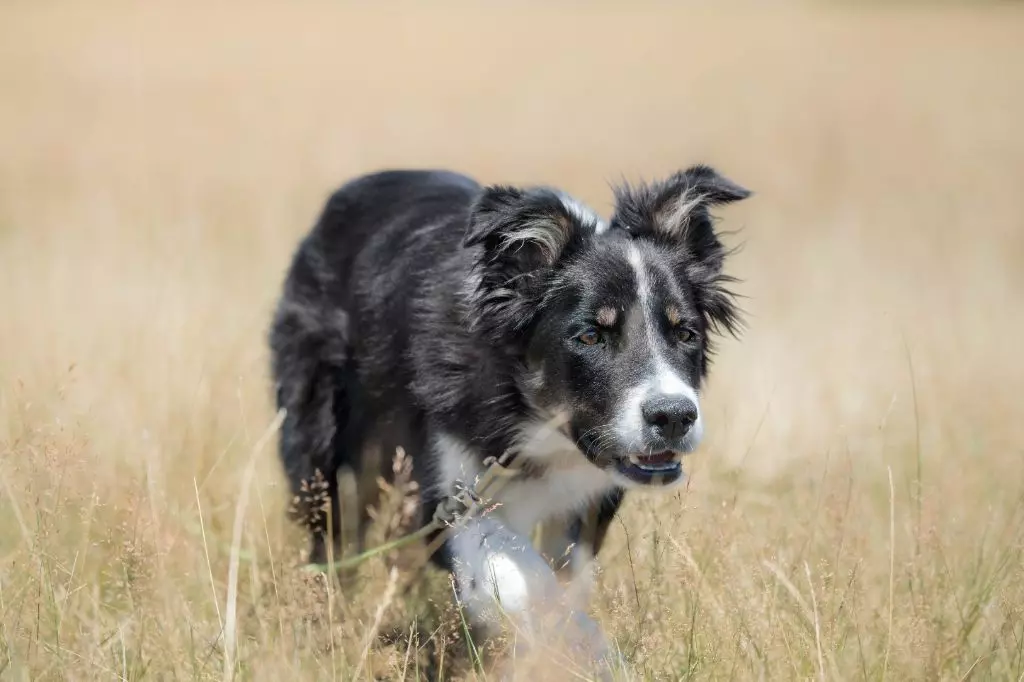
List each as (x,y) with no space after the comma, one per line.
(857,512)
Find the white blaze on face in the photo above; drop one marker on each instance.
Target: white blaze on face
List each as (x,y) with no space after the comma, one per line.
(662,379)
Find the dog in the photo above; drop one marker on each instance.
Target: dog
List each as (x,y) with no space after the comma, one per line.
(459,322)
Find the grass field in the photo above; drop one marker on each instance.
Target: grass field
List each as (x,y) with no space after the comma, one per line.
(857,511)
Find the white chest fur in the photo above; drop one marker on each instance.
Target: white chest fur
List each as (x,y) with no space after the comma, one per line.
(567,484)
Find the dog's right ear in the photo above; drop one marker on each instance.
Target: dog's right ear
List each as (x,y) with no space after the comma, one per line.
(523,233)
(520,230)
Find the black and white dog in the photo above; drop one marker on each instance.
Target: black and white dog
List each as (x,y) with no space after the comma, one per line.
(456,321)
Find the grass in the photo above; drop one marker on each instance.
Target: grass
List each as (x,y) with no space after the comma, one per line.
(857,511)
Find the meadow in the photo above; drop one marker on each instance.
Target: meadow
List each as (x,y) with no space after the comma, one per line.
(857,509)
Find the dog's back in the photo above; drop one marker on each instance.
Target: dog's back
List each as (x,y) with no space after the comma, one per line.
(340,333)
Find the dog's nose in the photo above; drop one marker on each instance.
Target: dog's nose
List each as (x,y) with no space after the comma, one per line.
(671,416)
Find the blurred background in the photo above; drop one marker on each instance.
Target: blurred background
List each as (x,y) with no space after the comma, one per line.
(856,510)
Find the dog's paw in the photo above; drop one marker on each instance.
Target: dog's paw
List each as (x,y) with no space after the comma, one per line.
(571,639)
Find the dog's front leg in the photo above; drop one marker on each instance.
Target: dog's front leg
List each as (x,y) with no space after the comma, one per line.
(501,578)
(568,551)
(572,545)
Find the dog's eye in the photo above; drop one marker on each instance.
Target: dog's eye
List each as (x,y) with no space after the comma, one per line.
(683,335)
(590,337)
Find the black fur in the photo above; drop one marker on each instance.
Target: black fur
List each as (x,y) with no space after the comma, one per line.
(422,302)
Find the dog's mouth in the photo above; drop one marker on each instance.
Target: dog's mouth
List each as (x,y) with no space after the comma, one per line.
(659,468)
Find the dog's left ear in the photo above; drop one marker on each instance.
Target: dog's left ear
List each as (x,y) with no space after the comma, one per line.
(679,209)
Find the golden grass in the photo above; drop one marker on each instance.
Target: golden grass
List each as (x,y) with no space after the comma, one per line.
(857,510)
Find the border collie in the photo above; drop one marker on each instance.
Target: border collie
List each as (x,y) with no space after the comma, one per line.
(456,321)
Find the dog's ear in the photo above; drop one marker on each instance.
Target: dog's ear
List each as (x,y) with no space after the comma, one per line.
(520,230)
(523,233)
(678,209)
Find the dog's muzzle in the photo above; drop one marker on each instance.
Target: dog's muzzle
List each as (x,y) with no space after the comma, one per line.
(660,468)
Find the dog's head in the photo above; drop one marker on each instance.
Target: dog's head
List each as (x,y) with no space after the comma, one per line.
(612,320)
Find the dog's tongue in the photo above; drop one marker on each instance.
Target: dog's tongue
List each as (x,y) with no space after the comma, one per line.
(657,458)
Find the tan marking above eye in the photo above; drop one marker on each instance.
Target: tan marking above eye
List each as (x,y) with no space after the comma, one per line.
(606,316)
(673,314)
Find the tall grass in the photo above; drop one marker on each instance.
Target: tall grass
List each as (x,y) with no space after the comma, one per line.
(858,509)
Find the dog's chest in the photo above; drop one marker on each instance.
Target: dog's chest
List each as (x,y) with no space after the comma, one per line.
(553,494)
(558,482)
